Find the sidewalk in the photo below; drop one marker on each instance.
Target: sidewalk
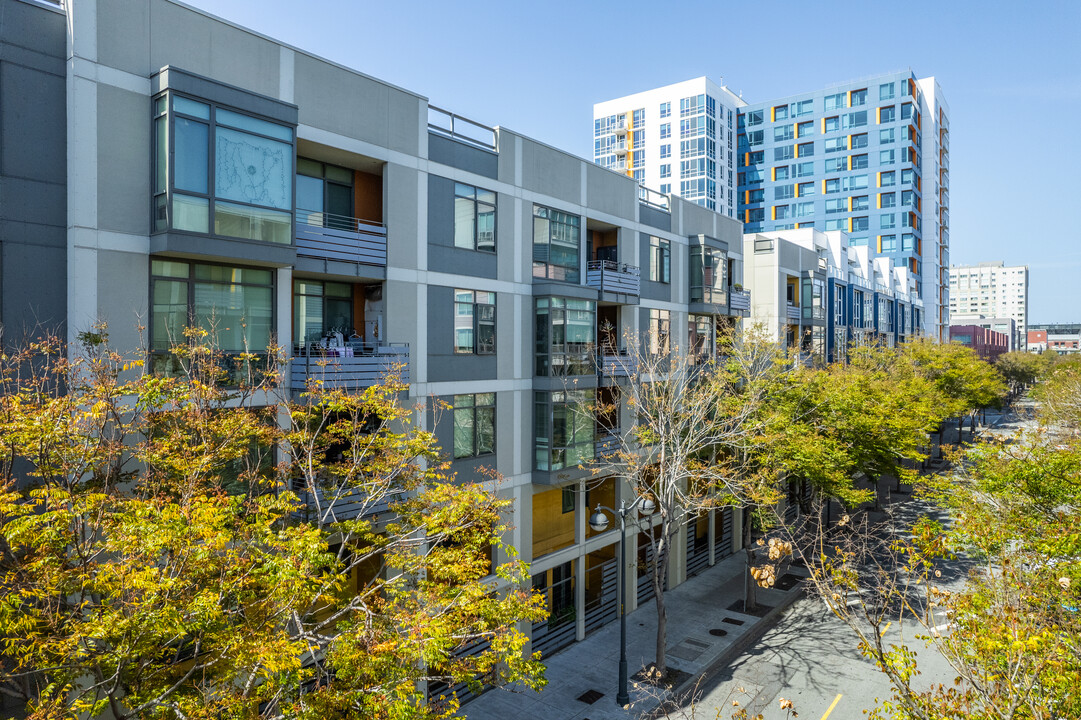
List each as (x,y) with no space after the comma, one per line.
(694,609)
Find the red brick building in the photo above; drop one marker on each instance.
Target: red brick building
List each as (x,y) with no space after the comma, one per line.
(988,344)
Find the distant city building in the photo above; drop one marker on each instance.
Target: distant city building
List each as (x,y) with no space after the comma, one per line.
(1037,341)
(1063,338)
(988,344)
(991,290)
(816,294)
(1005,325)
(868,157)
(678,139)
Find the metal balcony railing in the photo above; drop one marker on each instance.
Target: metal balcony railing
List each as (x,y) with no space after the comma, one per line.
(355,366)
(792,312)
(333,506)
(653,198)
(739,300)
(338,237)
(615,362)
(615,277)
(607,443)
(454,126)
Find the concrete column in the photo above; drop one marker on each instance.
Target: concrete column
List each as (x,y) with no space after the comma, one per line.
(711,537)
(737,529)
(580,597)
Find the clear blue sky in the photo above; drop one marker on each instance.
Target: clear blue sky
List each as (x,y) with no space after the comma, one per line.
(1011,72)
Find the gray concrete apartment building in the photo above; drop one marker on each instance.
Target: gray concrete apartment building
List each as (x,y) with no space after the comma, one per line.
(161,165)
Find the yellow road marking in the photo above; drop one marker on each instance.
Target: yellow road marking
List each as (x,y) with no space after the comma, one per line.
(886,628)
(832,705)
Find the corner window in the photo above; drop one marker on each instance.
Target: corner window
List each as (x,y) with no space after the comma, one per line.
(708,267)
(565,332)
(556,244)
(474,218)
(660,260)
(474,322)
(221,172)
(564,429)
(474,425)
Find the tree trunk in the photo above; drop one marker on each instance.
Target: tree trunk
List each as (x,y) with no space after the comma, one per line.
(660,572)
(750,596)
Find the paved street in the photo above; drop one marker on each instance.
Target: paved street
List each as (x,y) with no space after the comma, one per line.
(809,657)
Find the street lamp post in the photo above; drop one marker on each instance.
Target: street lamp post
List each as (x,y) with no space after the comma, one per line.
(599,522)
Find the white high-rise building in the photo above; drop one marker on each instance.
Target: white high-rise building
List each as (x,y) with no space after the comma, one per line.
(678,139)
(992,290)
(935,217)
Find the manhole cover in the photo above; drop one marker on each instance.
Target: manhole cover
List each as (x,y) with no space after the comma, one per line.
(732,621)
(718,632)
(590,696)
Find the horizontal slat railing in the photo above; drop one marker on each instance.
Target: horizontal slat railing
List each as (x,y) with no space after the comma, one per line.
(609,276)
(366,367)
(739,300)
(337,237)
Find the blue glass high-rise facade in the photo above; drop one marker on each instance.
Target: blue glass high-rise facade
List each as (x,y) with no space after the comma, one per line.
(869,157)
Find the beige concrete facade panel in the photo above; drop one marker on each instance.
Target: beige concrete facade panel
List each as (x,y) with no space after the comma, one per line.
(401,207)
(342,102)
(549,171)
(123,159)
(609,192)
(120,22)
(192,41)
(123,279)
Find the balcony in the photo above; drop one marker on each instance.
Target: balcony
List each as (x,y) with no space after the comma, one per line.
(355,366)
(338,506)
(616,363)
(614,277)
(325,236)
(607,443)
(793,313)
(739,301)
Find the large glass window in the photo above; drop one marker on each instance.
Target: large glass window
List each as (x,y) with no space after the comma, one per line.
(324,195)
(556,243)
(565,332)
(563,428)
(834,102)
(221,172)
(474,425)
(320,308)
(660,332)
(708,279)
(234,305)
(660,260)
(474,218)
(474,322)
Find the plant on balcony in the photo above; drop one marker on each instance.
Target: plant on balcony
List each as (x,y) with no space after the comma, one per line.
(153,562)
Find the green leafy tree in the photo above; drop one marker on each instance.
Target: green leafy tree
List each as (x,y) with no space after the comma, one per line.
(966,384)
(156,562)
(1010,630)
